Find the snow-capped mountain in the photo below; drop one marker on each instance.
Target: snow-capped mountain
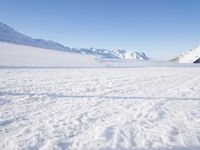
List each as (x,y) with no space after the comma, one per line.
(193,56)
(124,54)
(120,54)
(9,35)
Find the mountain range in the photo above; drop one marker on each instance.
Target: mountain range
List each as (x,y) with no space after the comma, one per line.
(10,35)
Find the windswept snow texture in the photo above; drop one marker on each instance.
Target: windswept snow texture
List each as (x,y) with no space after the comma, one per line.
(101,109)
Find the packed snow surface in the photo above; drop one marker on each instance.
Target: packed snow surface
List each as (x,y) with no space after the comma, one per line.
(101,109)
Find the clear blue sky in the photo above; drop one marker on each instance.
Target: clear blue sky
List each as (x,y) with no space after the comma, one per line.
(160,28)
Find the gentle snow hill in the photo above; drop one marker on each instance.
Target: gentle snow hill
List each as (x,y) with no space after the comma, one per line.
(9,35)
(193,56)
(26,56)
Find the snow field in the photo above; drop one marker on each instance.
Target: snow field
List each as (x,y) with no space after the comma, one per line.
(101,109)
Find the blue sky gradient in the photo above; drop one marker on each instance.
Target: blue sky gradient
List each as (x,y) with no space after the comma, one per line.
(160,28)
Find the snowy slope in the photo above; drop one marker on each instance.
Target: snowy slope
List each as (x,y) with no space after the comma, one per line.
(8,34)
(25,56)
(20,55)
(190,57)
(14,55)
(100,109)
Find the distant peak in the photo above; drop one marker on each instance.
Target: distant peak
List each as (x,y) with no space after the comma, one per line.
(192,56)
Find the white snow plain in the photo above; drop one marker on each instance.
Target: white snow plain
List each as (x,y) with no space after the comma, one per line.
(155,108)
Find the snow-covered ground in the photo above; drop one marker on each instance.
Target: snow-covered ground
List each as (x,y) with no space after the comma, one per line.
(100,109)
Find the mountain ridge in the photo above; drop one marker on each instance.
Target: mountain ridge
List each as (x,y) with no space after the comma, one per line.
(10,35)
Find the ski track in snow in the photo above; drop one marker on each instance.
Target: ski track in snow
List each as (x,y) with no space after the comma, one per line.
(101,109)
